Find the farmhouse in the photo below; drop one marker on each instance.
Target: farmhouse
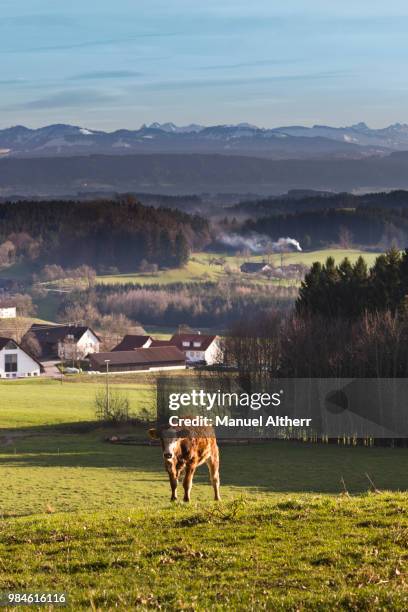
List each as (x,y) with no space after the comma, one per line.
(65,341)
(16,362)
(149,359)
(252,267)
(198,348)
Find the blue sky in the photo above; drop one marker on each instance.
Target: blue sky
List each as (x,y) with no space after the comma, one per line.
(104,64)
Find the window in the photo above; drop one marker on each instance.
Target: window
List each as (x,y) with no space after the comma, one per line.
(10,362)
(186,343)
(197,344)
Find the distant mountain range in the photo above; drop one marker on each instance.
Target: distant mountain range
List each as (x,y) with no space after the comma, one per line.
(291,142)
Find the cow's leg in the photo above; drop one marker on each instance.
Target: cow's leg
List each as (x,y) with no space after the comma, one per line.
(214,469)
(173,483)
(188,481)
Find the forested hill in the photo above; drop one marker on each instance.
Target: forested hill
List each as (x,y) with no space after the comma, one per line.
(178,174)
(101,234)
(369,227)
(297,202)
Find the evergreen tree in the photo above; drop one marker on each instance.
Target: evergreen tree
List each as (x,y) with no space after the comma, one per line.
(181,250)
(165,248)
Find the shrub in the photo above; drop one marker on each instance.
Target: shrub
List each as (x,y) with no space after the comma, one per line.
(112,406)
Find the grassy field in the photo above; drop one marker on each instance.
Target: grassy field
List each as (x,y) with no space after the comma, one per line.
(93,519)
(296,553)
(81,471)
(199,268)
(26,403)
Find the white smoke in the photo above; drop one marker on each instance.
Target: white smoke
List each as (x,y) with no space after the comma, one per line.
(259,243)
(283,243)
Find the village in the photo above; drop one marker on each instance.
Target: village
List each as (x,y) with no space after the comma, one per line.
(53,350)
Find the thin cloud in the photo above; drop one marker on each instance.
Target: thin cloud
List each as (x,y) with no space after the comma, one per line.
(65,99)
(12,81)
(38,20)
(91,43)
(106,74)
(199,83)
(247,64)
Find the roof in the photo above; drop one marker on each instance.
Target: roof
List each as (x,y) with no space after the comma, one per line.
(254,266)
(51,334)
(5,341)
(142,356)
(205,341)
(130,343)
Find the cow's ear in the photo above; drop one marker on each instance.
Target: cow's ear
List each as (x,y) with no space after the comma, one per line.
(153,434)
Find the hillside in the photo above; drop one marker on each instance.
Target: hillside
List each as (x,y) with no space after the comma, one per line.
(195,173)
(288,553)
(115,234)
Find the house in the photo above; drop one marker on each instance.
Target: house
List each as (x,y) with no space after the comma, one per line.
(65,341)
(15,362)
(150,359)
(198,348)
(8,313)
(251,267)
(130,343)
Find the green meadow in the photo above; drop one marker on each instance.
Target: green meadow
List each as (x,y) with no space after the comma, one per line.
(47,402)
(300,526)
(199,268)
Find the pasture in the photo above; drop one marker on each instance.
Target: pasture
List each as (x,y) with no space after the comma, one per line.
(292,552)
(81,515)
(47,402)
(200,268)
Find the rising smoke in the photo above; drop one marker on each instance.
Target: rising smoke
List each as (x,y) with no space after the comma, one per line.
(259,243)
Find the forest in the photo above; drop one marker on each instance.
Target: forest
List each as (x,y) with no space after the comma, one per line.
(103,234)
(314,229)
(307,200)
(349,321)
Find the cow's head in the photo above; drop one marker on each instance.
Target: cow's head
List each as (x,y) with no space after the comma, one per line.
(170,439)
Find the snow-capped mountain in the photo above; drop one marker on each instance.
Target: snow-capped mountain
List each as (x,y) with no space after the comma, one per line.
(288,142)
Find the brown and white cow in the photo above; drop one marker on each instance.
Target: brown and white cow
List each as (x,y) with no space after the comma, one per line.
(184,449)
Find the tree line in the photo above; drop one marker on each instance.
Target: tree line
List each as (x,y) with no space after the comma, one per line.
(348,291)
(100,233)
(372,227)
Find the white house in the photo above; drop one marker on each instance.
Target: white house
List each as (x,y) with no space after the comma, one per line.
(198,348)
(66,341)
(8,313)
(15,362)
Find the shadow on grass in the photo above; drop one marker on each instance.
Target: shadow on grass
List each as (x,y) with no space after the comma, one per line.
(279,466)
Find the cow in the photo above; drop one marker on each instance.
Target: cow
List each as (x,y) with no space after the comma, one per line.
(184,449)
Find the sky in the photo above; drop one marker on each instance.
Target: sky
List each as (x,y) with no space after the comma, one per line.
(109,65)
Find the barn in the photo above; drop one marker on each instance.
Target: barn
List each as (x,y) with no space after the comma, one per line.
(151,359)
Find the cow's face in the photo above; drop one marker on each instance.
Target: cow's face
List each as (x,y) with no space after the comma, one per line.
(170,441)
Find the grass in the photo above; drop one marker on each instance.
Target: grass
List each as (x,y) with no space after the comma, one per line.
(303,553)
(93,519)
(199,269)
(34,403)
(47,306)
(81,472)
(123,548)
